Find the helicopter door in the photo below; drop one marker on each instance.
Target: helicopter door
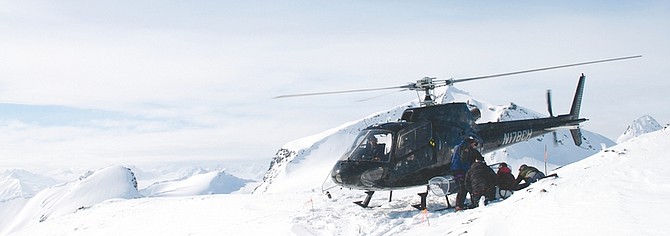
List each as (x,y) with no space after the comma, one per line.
(414,144)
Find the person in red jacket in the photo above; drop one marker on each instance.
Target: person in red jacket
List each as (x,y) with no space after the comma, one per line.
(505,180)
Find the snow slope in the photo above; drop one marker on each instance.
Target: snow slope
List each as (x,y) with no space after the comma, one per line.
(618,191)
(322,150)
(91,188)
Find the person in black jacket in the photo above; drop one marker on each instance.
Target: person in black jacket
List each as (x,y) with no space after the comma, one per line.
(374,151)
(461,160)
(480,181)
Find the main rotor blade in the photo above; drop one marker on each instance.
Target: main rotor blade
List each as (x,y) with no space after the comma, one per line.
(540,69)
(343,91)
(381,95)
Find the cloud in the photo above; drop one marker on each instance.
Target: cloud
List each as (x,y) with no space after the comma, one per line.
(207,71)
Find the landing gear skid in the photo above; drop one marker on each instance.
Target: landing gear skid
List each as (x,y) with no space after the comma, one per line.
(422,205)
(365,203)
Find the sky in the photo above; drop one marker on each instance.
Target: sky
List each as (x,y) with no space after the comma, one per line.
(126,81)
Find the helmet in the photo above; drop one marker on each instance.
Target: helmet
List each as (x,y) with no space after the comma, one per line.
(471,140)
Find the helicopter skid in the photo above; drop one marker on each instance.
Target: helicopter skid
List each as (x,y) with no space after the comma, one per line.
(365,203)
(421,206)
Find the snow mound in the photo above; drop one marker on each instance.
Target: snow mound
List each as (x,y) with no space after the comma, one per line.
(640,126)
(215,182)
(590,197)
(92,188)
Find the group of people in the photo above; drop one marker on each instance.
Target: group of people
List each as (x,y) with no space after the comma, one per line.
(474,176)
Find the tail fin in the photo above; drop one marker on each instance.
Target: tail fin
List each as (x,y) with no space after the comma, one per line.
(574,111)
(577,101)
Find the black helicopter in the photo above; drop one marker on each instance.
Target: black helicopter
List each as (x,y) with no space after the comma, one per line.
(418,147)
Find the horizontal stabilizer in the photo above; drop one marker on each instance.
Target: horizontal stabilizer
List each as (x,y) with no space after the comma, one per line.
(563,127)
(576,136)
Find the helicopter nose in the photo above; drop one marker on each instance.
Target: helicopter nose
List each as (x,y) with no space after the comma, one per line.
(368,178)
(357,174)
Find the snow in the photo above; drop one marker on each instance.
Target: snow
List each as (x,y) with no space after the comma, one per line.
(91,188)
(619,191)
(20,183)
(201,184)
(616,190)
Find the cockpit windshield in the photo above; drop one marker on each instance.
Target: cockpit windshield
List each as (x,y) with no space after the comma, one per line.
(371,145)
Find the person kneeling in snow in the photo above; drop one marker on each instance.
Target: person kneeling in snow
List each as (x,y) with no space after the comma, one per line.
(529,175)
(505,179)
(481,182)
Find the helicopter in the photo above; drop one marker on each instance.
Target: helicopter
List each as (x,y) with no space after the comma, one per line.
(417,149)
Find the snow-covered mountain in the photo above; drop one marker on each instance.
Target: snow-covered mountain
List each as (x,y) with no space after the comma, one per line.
(644,124)
(22,184)
(617,191)
(29,198)
(322,150)
(92,188)
(216,182)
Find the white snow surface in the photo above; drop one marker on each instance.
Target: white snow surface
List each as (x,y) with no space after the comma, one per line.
(92,188)
(640,126)
(618,191)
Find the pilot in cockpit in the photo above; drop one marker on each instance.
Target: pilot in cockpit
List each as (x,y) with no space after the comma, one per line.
(375,151)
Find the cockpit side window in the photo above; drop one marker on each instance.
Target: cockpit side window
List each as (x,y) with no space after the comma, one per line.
(373,145)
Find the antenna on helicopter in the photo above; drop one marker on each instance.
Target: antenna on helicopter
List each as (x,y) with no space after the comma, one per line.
(428,84)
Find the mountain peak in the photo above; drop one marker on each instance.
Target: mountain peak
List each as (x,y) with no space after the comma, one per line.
(91,188)
(644,124)
(18,183)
